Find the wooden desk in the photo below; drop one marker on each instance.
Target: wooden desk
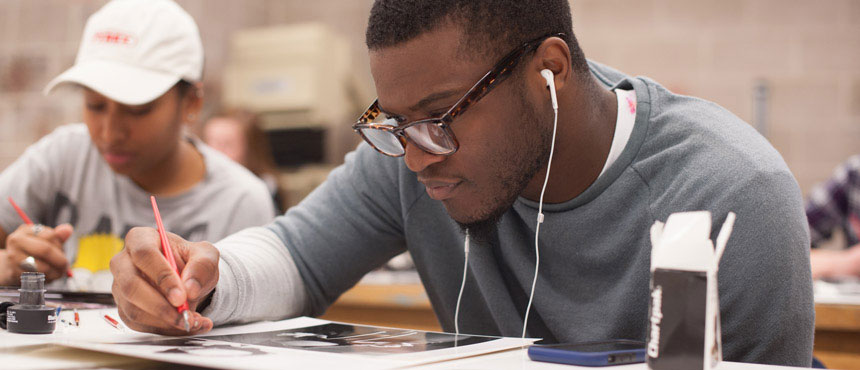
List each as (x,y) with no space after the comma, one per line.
(837,335)
(407,306)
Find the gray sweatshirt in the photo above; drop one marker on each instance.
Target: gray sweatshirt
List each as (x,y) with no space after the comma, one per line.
(684,154)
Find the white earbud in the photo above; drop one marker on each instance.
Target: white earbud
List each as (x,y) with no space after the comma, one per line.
(550,83)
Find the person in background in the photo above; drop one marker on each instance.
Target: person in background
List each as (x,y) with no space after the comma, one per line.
(835,205)
(139,68)
(237,134)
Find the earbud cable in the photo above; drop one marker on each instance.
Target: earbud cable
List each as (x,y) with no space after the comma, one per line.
(462,286)
(540,218)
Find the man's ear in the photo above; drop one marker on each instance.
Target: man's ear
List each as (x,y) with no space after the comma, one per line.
(554,55)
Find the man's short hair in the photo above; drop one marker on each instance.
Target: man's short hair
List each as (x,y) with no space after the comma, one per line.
(492,27)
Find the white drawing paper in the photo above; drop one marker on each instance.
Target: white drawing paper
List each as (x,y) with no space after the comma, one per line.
(297,343)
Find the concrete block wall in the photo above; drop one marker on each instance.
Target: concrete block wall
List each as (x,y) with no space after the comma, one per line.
(805,52)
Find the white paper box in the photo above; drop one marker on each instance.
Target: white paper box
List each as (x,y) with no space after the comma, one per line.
(684,315)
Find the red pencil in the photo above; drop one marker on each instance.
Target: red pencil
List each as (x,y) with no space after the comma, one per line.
(30,223)
(21,212)
(113,322)
(168,254)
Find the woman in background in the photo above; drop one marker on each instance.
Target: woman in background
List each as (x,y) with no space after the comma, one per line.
(139,69)
(237,134)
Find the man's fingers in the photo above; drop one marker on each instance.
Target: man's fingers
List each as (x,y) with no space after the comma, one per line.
(140,320)
(201,269)
(200,324)
(136,319)
(137,292)
(132,292)
(178,245)
(147,290)
(144,248)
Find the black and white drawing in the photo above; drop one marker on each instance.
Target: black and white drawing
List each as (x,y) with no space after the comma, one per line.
(354,339)
(329,337)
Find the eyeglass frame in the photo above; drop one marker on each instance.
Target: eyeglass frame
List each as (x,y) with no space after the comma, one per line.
(494,77)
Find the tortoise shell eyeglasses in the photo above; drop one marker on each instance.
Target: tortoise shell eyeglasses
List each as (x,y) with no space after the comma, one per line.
(434,135)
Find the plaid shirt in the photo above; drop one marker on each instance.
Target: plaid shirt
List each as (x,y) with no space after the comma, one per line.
(836,204)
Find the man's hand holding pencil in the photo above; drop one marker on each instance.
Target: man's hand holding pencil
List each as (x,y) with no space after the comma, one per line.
(148,291)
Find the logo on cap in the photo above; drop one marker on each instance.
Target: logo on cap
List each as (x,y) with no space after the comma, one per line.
(114,37)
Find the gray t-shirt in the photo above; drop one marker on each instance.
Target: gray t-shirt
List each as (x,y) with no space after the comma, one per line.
(63,179)
(684,154)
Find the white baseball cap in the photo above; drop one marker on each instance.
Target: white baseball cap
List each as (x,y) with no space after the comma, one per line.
(134,51)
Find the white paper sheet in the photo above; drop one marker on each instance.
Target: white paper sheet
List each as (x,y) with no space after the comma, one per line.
(301,343)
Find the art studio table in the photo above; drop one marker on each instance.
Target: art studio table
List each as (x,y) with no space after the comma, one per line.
(58,357)
(837,325)
(838,317)
(67,350)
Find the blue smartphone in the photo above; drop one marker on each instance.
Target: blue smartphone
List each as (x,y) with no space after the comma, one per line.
(606,353)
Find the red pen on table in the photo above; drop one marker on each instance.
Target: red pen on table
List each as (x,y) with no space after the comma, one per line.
(30,223)
(113,322)
(168,254)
